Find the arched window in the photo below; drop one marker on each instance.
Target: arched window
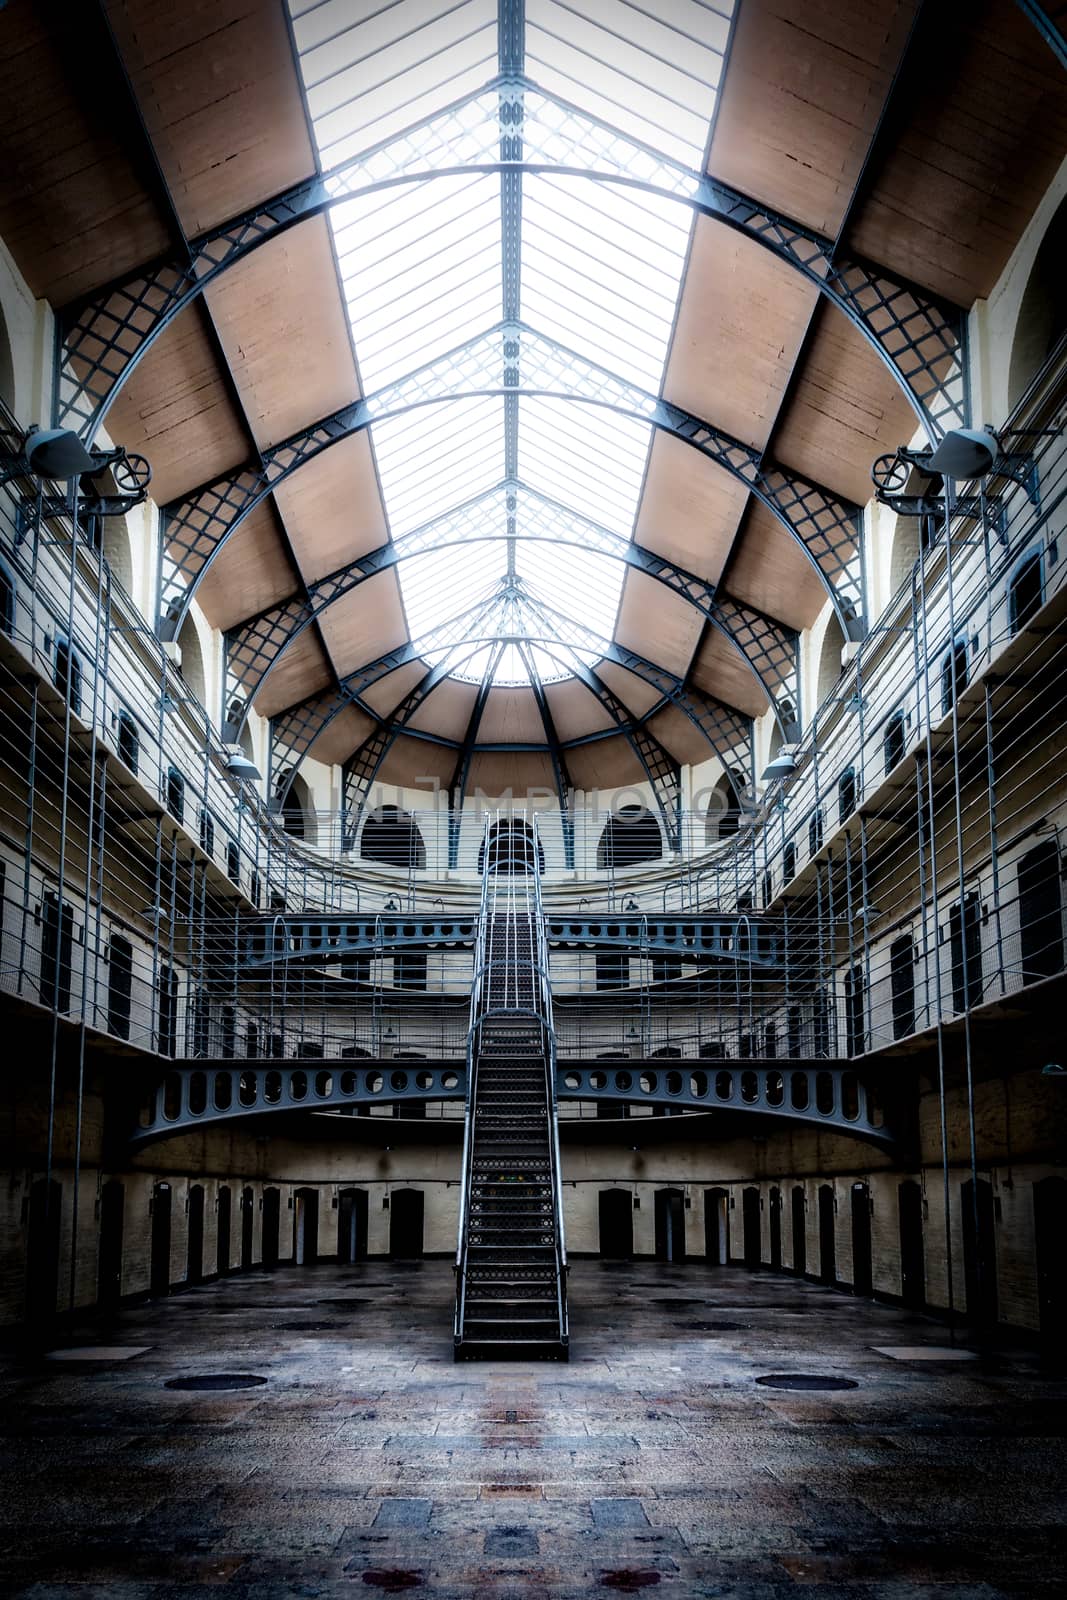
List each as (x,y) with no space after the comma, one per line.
(192,667)
(833,643)
(723,816)
(815,832)
(175,794)
(233,862)
(1043,310)
(1026,591)
(953,675)
(68,676)
(630,836)
(894,740)
(391,836)
(846,794)
(129,741)
(207,833)
(789,861)
(510,848)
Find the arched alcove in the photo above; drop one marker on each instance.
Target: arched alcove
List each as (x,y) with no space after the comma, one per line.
(833,642)
(1042,319)
(298,812)
(723,816)
(630,835)
(192,667)
(510,848)
(392,836)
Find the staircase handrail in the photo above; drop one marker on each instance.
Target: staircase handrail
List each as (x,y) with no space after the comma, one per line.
(550,1066)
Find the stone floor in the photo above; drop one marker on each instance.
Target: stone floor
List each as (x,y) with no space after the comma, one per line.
(368,1463)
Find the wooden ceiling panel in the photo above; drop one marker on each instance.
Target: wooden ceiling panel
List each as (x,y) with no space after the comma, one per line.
(251,572)
(680,737)
(657,623)
(575,710)
(175,409)
(771,572)
(218,88)
(721,673)
(801,98)
(332,508)
(384,697)
(283,327)
(604,764)
(689,509)
(343,737)
(302,671)
(519,773)
(417,763)
(740,323)
(984,137)
(511,717)
(637,695)
(845,410)
(363,624)
(74,211)
(447,711)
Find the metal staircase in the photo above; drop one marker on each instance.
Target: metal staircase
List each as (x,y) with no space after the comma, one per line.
(511,1262)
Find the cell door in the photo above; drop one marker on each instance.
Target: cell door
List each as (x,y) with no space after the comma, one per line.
(616,1218)
(716,1233)
(42,1250)
(352,1225)
(827,1236)
(750,1218)
(222,1233)
(979,1252)
(306,1227)
(1050,1248)
(109,1261)
(248,1228)
(670,1225)
(194,1271)
(775,1221)
(406,1224)
(159,1270)
(800,1232)
(862,1260)
(1041,912)
(272,1212)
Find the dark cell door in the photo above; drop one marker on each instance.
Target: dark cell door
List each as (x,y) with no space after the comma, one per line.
(406,1222)
(1041,912)
(42,1250)
(979,1252)
(159,1271)
(800,1232)
(775,1221)
(716,1234)
(222,1233)
(352,1225)
(670,1225)
(306,1227)
(616,1214)
(750,1217)
(57,935)
(109,1261)
(827,1239)
(965,940)
(912,1258)
(248,1227)
(272,1214)
(1050,1248)
(119,986)
(194,1271)
(862,1266)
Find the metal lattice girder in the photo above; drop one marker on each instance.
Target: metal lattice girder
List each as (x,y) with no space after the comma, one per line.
(768,648)
(919,339)
(513,360)
(561,776)
(1051,24)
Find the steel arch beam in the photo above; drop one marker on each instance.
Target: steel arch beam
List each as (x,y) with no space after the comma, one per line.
(767,647)
(560,774)
(826,528)
(916,337)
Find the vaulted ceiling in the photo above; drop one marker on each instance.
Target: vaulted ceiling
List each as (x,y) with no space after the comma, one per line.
(511,373)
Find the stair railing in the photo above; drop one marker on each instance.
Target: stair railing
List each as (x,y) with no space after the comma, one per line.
(541,963)
(467,1158)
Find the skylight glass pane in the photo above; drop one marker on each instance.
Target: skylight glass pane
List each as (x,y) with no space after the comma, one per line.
(437,456)
(584,456)
(446,583)
(578,584)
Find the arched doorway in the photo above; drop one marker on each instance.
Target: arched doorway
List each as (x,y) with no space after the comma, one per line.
(272,1212)
(616,1218)
(979,1252)
(800,1231)
(750,1227)
(109,1260)
(827,1237)
(248,1224)
(670,1225)
(159,1270)
(352,1225)
(406,1220)
(1040,912)
(509,847)
(392,837)
(306,1227)
(774,1206)
(222,1233)
(194,1270)
(1042,311)
(716,1227)
(1050,1253)
(912,1255)
(862,1258)
(630,836)
(42,1249)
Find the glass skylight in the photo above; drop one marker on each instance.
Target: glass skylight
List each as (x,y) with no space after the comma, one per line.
(505,290)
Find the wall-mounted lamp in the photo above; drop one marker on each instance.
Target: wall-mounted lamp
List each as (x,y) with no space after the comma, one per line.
(1053,1069)
(240,767)
(783,766)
